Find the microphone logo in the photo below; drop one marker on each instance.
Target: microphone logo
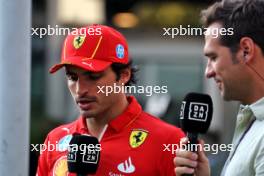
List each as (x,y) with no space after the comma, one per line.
(182,109)
(198,111)
(83,154)
(72,155)
(89,154)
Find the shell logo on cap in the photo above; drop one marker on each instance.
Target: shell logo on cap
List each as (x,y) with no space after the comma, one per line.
(120,51)
(78,41)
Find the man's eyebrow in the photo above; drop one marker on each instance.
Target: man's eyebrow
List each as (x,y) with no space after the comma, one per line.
(91,73)
(209,54)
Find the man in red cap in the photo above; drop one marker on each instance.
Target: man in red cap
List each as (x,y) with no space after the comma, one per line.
(132,141)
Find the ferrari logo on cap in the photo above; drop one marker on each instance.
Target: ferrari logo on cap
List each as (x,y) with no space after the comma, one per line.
(137,137)
(78,41)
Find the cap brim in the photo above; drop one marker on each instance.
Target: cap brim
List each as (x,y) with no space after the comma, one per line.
(93,65)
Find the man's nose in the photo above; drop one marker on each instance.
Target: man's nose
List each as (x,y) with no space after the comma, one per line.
(209,71)
(81,87)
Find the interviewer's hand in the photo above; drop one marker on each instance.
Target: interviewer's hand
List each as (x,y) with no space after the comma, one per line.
(187,162)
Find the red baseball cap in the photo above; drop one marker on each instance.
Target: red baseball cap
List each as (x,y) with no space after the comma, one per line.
(93,48)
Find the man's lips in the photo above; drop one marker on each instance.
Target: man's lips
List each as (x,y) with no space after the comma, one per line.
(85,104)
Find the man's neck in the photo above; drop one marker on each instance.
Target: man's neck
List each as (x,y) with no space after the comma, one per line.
(96,125)
(255,94)
(256,86)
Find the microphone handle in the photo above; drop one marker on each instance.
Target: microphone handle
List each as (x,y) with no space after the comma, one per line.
(193,137)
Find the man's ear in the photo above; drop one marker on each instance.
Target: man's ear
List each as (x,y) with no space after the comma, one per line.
(125,75)
(247,47)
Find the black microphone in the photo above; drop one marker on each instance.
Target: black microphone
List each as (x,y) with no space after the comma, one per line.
(195,117)
(83,155)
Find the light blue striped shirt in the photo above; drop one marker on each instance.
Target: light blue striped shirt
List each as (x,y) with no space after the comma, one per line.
(247,156)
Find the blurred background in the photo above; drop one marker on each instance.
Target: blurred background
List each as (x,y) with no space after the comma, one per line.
(177,63)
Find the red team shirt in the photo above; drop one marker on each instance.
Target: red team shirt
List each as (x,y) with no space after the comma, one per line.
(133,144)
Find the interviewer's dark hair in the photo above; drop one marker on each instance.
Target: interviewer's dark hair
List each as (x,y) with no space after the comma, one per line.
(118,67)
(244,16)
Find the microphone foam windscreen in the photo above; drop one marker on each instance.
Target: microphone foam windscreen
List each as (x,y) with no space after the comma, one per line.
(196,113)
(83,154)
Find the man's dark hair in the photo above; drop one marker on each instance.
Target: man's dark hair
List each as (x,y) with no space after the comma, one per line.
(118,68)
(244,16)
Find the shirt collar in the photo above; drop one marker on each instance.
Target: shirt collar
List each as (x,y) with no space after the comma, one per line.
(258,109)
(130,114)
(81,126)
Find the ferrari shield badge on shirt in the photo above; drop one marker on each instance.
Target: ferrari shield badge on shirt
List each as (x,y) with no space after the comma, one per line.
(137,137)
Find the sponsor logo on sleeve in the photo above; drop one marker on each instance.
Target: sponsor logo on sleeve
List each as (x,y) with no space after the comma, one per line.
(64,143)
(60,167)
